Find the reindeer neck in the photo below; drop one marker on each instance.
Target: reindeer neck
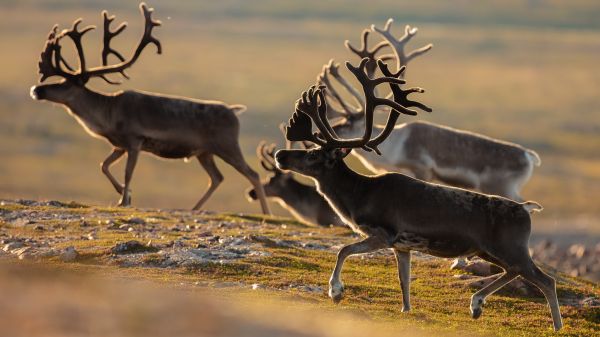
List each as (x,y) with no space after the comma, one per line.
(342,187)
(91,108)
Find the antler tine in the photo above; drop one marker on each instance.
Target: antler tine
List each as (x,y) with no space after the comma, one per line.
(398,44)
(332,92)
(266,158)
(333,69)
(147,39)
(299,129)
(107,49)
(364,50)
(400,97)
(51,59)
(76,35)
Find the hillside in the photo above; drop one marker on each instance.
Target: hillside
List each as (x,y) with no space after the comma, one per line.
(272,269)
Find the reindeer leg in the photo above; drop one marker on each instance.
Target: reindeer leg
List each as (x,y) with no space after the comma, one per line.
(115,155)
(547,285)
(132,156)
(236,159)
(403,261)
(370,244)
(478,298)
(208,163)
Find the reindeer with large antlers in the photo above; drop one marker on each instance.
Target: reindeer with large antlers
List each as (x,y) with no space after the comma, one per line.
(134,121)
(395,211)
(301,200)
(430,151)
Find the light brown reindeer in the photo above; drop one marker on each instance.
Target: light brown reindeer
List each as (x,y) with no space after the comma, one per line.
(134,121)
(429,151)
(398,212)
(301,200)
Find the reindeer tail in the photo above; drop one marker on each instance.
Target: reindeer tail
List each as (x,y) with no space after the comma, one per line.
(532,206)
(238,109)
(533,157)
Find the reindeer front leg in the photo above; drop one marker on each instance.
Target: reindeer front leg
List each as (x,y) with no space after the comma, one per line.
(403,260)
(370,244)
(132,156)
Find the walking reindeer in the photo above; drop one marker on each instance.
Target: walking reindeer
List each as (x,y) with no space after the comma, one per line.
(302,201)
(430,151)
(134,121)
(401,213)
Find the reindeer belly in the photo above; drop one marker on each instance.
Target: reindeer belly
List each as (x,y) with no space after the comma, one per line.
(167,149)
(441,247)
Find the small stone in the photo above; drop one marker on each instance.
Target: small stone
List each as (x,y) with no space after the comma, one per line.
(39,228)
(92,236)
(130,229)
(124,226)
(131,247)
(69,254)
(257,286)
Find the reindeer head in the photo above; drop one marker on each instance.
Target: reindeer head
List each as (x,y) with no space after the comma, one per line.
(277,184)
(330,150)
(51,62)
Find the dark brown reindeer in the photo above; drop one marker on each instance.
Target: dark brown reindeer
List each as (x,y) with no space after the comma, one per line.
(134,121)
(302,201)
(429,151)
(398,212)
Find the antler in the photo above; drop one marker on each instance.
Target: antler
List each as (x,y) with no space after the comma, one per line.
(51,61)
(398,44)
(147,39)
(107,49)
(266,156)
(312,106)
(333,96)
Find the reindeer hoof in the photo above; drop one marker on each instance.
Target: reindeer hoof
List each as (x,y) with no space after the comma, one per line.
(336,293)
(405,309)
(124,202)
(476,313)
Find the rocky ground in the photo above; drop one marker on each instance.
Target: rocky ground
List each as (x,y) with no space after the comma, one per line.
(235,251)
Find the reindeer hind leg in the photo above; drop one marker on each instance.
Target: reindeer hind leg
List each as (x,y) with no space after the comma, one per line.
(236,159)
(547,285)
(215,177)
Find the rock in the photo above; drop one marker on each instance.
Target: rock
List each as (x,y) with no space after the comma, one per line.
(39,228)
(69,254)
(577,250)
(136,221)
(459,264)
(205,234)
(12,246)
(91,236)
(268,242)
(132,247)
(23,253)
(593,302)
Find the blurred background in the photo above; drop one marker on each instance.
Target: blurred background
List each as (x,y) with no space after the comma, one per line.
(523,71)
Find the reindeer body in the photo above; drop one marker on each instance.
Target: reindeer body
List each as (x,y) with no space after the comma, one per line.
(166,126)
(451,156)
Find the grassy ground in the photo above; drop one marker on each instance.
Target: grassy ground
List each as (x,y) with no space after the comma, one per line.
(524,71)
(439,301)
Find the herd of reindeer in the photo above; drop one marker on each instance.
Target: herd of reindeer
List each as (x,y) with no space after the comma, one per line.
(481,214)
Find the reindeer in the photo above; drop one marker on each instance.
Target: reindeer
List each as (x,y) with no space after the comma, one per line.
(302,201)
(133,121)
(401,213)
(429,151)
